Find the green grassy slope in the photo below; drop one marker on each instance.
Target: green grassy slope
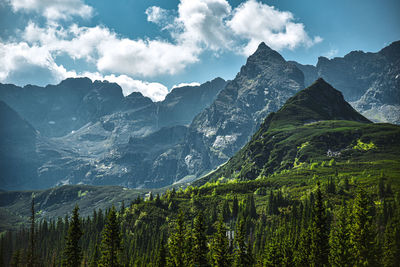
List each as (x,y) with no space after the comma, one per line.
(314,128)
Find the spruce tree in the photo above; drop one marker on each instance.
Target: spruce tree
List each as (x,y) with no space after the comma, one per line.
(302,253)
(94,259)
(339,240)
(176,242)
(73,251)
(199,249)
(391,248)
(161,260)
(242,256)
(111,241)
(320,232)
(363,231)
(220,253)
(32,240)
(273,253)
(235,207)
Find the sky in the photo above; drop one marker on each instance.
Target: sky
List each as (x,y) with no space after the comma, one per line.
(151,46)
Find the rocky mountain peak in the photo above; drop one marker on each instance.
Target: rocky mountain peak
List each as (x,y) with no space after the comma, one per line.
(320,101)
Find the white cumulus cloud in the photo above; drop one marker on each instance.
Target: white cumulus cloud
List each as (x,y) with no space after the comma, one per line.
(53,9)
(185,84)
(153,90)
(258,22)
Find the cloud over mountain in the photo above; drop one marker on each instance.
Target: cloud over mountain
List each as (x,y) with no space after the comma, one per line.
(195,27)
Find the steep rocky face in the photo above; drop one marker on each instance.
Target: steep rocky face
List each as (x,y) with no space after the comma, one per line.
(263,84)
(18,157)
(144,162)
(370,81)
(182,104)
(96,123)
(56,110)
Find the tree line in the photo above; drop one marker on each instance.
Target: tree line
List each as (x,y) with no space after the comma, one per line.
(326,226)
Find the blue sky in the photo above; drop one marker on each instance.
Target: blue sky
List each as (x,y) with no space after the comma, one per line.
(150,46)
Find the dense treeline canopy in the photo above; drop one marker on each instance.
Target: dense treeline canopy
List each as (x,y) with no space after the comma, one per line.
(328,222)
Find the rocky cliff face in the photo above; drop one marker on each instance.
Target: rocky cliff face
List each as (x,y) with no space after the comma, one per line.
(85,130)
(370,81)
(263,84)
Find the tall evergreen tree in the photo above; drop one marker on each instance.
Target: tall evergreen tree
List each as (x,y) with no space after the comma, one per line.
(391,248)
(363,231)
(242,256)
(220,252)
(339,240)
(235,207)
(176,242)
(273,253)
(161,260)
(111,241)
(73,251)
(320,232)
(32,239)
(94,260)
(200,249)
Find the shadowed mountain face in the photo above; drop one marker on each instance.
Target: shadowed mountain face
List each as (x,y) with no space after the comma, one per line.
(18,158)
(56,110)
(82,125)
(370,81)
(315,125)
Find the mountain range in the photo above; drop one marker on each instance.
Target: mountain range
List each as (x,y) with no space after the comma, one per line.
(87,132)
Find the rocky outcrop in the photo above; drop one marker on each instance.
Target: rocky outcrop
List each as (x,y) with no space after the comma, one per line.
(263,84)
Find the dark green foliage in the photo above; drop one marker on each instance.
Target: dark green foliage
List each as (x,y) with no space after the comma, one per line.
(220,248)
(176,242)
(31,261)
(243,256)
(391,249)
(339,240)
(199,249)
(72,250)
(111,241)
(363,231)
(320,232)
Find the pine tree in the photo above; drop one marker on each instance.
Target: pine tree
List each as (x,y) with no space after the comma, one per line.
(111,241)
(32,240)
(339,241)
(273,253)
(302,254)
(320,232)
(220,253)
(176,242)
(363,231)
(251,207)
(16,259)
(73,251)
(95,257)
(161,256)
(235,207)
(242,256)
(226,211)
(391,248)
(199,249)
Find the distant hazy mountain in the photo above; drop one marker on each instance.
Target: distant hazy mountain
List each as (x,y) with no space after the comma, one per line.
(370,81)
(82,123)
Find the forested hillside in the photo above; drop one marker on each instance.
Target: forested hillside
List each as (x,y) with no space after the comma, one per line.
(328,220)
